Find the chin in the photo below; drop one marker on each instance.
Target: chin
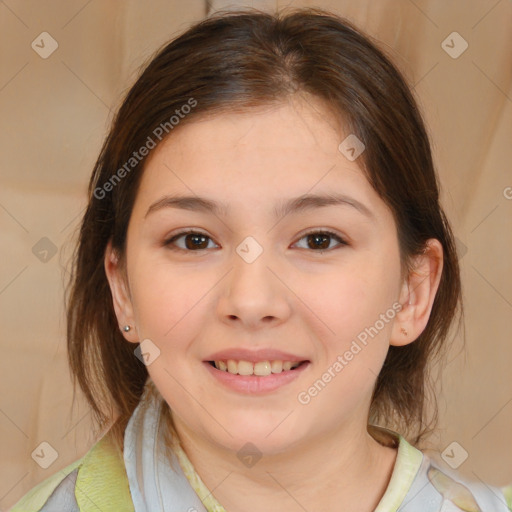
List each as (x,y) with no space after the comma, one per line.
(269,437)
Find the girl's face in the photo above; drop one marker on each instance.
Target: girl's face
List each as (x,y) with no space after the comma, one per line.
(258,275)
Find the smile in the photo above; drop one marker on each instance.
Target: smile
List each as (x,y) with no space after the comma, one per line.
(260,368)
(252,383)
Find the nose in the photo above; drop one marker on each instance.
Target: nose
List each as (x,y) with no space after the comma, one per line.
(254,294)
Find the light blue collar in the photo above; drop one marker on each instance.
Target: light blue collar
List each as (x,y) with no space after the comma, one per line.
(155,484)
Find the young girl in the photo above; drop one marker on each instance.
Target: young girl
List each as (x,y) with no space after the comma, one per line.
(263,276)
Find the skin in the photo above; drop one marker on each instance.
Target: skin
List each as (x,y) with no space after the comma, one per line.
(317,456)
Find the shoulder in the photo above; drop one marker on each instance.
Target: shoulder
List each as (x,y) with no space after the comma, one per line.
(97,480)
(35,499)
(443,489)
(419,482)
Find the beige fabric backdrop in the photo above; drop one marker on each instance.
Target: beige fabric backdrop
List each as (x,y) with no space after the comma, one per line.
(55,112)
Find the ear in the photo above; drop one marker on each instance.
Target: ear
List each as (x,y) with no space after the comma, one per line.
(417,295)
(120,294)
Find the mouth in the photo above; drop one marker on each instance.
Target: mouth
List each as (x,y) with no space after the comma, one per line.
(255,378)
(257,369)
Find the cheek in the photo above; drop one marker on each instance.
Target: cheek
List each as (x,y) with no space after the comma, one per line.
(167,300)
(355,306)
(359,317)
(352,297)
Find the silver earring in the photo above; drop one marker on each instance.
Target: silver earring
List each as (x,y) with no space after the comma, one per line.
(126,328)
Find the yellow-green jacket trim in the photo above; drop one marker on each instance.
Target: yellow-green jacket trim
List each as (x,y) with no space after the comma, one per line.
(101,483)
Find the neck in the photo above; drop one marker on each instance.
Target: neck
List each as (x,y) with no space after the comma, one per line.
(346,469)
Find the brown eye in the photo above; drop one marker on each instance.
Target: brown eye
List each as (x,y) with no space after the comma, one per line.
(193,241)
(321,240)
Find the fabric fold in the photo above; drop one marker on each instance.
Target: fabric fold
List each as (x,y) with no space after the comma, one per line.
(156,485)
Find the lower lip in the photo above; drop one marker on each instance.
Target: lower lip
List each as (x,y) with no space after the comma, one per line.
(253,384)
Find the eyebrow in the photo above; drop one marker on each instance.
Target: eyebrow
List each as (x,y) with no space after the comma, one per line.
(294,205)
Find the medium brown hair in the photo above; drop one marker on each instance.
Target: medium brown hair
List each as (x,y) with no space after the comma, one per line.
(232,62)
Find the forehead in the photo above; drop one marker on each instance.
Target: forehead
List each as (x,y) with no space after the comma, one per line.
(259,155)
(305,125)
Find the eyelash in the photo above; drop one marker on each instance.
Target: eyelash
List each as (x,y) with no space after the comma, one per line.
(170,241)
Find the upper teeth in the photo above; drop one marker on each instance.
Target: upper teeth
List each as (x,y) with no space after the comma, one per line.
(260,368)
